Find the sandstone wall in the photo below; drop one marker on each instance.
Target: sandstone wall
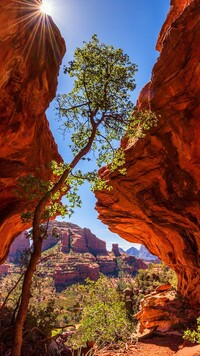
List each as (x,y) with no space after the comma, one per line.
(30,57)
(158,202)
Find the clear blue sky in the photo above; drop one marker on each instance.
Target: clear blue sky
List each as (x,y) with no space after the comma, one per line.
(132,25)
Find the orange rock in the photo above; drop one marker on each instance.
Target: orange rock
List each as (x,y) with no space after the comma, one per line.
(28,83)
(157,202)
(161,310)
(163,288)
(189,351)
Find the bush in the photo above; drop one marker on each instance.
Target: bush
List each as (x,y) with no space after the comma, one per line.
(104,317)
(192,335)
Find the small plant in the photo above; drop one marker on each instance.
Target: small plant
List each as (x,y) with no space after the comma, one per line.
(193,335)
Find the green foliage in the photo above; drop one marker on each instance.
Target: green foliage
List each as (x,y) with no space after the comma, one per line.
(141,122)
(147,280)
(43,316)
(104,317)
(193,335)
(104,79)
(96,113)
(154,276)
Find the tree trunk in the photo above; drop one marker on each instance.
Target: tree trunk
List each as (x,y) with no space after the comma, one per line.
(25,297)
(37,245)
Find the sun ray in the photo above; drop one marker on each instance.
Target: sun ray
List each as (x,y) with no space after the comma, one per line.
(39,27)
(46,7)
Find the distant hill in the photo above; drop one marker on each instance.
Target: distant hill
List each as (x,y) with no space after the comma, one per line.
(76,254)
(142,253)
(132,251)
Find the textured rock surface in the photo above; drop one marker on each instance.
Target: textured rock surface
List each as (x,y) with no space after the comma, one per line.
(20,244)
(189,351)
(162,309)
(157,202)
(76,254)
(29,62)
(115,249)
(73,238)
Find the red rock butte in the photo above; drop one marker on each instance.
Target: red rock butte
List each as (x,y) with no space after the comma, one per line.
(158,202)
(29,63)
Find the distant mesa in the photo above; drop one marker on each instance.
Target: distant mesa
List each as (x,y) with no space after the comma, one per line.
(74,255)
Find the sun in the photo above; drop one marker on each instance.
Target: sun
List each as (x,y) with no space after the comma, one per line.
(46,8)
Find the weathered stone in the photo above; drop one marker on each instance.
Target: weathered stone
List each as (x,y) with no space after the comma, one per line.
(115,249)
(163,288)
(95,245)
(4,269)
(157,202)
(189,351)
(30,57)
(161,310)
(20,244)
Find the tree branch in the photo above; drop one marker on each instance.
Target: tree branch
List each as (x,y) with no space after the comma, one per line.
(74,107)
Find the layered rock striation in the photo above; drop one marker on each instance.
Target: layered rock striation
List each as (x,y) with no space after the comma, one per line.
(78,254)
(72,254)
(157,203)
(31,51)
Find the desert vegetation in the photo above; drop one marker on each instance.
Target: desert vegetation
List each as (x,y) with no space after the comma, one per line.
(91,313)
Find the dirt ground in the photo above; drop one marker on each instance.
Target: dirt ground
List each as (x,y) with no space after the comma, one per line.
(155,346)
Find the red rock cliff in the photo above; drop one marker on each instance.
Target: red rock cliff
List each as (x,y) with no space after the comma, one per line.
(30,56)
(157,202)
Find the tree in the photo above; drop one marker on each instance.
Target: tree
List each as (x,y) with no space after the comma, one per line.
(97,112)
(104,317)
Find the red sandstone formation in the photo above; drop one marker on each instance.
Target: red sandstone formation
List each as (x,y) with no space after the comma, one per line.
(79,254)
(95,245)
(157,202)
(108,264)
(20,244)
(162,309)
(4,269)
(73,238)
(30,57)
(115,249)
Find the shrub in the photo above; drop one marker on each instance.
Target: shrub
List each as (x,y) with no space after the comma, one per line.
(104,317)
(193,335)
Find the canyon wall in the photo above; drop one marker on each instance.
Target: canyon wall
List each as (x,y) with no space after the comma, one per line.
(31,51)
(157,202)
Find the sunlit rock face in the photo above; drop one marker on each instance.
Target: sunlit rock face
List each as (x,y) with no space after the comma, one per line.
(29,63)
(157,202)
(162,309)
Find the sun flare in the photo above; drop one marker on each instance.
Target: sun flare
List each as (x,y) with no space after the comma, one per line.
(46,8)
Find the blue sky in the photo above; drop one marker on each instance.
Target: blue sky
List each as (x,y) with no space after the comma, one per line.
(129,24)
